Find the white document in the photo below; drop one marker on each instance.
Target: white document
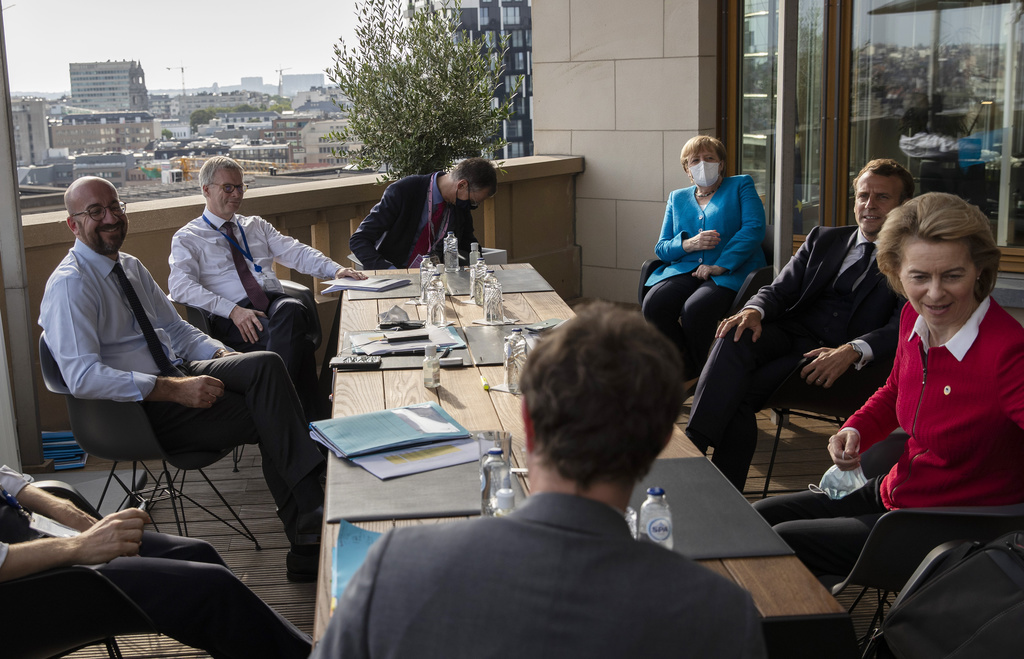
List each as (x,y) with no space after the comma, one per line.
(420,458)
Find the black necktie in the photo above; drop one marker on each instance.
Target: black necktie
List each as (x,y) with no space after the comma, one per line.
(846,281)
(253,290)
(152,342)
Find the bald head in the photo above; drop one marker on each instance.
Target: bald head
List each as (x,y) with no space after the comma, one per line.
(95,215)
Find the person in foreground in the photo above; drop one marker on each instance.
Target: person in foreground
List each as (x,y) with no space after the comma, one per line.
(116,336)
(829,304)
(562,575)
(222,263)
(710,241)
(416,212)
(957,387)
(181,583)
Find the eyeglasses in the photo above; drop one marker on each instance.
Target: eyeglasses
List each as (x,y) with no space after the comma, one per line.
(98,212)
(229,188)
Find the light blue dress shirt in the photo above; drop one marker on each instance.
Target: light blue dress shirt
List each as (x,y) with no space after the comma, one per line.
(93,334)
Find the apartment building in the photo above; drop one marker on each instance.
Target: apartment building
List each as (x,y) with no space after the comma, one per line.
(111,86)
(31,138)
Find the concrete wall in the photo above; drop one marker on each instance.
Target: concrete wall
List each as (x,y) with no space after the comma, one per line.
(621,83)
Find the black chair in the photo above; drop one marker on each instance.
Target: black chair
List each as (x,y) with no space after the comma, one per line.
(121,432)
(201,321)
(754,281)
(795,397)
(902,538)
(61,610)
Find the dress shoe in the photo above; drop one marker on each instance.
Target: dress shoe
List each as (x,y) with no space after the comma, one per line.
(303,563)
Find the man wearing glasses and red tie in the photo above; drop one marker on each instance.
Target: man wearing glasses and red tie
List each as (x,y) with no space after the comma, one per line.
(116,336)
(222,263)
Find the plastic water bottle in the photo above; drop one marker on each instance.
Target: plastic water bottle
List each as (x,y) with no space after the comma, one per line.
(506,502)
(494,313)
(427,265)
(431,367)
(477,273)
(656,519)
(474,252)
(515,359)
(451,252)
(435,302)
(493,475)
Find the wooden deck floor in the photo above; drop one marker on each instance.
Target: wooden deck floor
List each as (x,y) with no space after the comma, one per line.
(802,459)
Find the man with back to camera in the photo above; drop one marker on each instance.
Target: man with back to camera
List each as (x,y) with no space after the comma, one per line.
(416,212)
(182,584)
(221,261)
(116,336)
(830,303)
(562,575)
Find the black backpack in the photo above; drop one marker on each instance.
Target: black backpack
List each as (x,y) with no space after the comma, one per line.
(965,601)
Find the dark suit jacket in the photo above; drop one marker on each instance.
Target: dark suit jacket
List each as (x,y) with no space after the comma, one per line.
(394,221)
(876,308)
(560,577)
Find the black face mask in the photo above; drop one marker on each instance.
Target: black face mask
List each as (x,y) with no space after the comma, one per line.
(464,204)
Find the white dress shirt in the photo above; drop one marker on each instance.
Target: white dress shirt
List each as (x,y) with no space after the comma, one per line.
(14,483)
(93,334)
(203,271)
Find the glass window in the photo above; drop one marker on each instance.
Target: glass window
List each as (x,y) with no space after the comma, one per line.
(510,15)
(758,82)
(929,88)
(485,16)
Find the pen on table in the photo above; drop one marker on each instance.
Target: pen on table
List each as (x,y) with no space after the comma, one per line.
(446,352)
(483,381)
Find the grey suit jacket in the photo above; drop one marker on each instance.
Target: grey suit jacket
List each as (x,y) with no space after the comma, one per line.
(560,577)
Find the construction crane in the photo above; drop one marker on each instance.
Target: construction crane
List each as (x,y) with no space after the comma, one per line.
(280,80)
(182,69)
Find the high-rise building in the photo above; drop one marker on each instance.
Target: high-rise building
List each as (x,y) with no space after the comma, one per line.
(489,20)
(109,86)
(31,138)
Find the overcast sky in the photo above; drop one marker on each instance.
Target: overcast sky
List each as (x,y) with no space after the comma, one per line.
(215,41)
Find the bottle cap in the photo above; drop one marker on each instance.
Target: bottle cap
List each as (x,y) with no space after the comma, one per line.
(517,330)
(655,491)
(451,233)
(506,499)
(429,350)
(494,451)
(474,247)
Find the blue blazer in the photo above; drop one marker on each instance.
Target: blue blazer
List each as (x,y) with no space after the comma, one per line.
(735,211)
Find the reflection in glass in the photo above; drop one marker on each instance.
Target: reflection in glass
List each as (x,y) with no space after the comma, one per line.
(931,86)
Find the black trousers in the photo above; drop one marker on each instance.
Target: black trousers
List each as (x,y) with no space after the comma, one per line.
(826,534)
(687,310)
(259,407)
(285,332)
(191,596)
(734,385)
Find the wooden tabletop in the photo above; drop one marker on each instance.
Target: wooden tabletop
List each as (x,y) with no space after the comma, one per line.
(780,585)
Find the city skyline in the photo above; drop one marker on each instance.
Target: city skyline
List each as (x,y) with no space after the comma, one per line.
(255,43)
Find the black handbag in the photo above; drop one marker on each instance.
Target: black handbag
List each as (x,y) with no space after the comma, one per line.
(968,603)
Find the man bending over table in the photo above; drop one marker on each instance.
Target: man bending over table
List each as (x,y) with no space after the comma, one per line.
(562,575)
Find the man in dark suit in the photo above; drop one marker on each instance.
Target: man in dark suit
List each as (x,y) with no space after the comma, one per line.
(829,303)
(561,576)
(415,213)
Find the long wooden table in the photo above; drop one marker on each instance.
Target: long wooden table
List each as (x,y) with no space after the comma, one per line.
(801,617)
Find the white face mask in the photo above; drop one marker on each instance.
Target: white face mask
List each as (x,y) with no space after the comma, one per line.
(704,173)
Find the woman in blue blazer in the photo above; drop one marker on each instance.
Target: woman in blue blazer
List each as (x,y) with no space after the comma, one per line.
(710,241)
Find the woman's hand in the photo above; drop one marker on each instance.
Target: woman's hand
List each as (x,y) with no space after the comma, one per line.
(703,240)
(844,447)
(705,271)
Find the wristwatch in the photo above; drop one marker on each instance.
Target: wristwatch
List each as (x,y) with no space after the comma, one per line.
(860,352)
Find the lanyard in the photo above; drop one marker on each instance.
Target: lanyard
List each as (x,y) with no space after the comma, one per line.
(247,253)
(12,502)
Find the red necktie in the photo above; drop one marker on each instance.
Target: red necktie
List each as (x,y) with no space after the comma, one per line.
(257,296)
(423,244)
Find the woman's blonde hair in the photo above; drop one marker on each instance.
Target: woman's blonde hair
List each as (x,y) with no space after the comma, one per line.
(937,217)
(699,144)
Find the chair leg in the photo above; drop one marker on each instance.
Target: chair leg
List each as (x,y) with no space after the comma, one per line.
(236,455)
(179,496)
(113,651)
(775,449)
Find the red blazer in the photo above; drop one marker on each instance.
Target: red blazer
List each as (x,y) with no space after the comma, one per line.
(965,418)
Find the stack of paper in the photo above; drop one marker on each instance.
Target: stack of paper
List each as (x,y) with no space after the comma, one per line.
(375,343)
(375,432)
(372,284)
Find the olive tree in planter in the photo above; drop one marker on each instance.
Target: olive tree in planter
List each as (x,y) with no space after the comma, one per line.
(418,92)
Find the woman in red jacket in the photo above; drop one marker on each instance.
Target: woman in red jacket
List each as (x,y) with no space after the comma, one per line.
(957,387)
